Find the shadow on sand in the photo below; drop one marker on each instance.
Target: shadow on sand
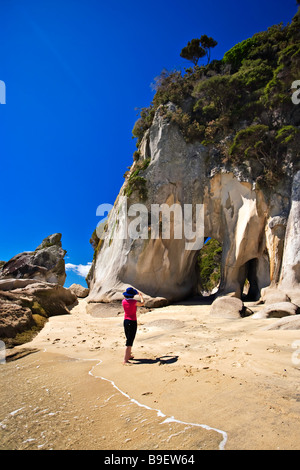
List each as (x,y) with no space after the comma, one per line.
(160,360)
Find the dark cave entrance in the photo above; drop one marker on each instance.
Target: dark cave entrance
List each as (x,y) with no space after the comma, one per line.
(248,279)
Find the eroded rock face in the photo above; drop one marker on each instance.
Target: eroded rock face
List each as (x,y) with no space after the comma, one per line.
(250,225)
(290,273)
(46,263)
(14,318)
(21,299)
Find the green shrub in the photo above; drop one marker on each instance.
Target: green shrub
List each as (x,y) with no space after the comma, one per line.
(190,128)
(274,151)
(136,182)
(136,156)
(216,92)
(209,265)
(248,139)
(171,86)
(254,74)
(239,52)
(288,134)
(143,123)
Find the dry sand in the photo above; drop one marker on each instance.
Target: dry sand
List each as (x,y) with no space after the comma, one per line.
(196,382)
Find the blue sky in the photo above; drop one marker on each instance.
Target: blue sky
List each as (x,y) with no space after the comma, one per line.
(75,72)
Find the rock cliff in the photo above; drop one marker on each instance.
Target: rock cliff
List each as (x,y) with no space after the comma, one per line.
(245,177)
(250,227)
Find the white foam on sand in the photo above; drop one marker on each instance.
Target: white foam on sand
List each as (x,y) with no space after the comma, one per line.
(159,412)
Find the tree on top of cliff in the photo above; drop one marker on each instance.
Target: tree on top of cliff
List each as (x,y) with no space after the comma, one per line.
(239,107)
(193,51)
(198,48)
(207,43)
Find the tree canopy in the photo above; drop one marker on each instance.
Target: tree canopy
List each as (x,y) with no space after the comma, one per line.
(193,51)
(198,48)
(207,43)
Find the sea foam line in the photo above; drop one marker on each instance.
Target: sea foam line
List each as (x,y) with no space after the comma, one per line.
(170,419)
(159,412)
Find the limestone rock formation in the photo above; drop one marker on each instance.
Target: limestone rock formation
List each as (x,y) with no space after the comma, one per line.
(46,263)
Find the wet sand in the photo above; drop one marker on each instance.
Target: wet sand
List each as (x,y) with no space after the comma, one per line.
(197,382)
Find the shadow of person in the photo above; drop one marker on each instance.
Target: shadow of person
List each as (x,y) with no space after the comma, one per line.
(160,360)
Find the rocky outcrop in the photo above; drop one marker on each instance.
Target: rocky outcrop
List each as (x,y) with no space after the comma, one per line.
(258,229)
(46,263)
(31,288)
(22,300)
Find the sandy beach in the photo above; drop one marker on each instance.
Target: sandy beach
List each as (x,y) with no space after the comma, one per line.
(196,383)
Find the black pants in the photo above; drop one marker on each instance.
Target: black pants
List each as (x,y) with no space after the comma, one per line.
(130,327)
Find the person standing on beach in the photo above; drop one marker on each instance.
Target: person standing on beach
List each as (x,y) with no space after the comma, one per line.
(130,320)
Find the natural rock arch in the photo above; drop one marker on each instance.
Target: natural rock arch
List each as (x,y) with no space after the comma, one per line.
(249,225)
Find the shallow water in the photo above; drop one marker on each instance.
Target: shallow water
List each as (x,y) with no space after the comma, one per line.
(54,402)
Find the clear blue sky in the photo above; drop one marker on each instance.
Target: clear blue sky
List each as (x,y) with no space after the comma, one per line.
(75,72)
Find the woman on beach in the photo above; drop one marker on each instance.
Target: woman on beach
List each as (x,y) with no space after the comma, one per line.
(130,320)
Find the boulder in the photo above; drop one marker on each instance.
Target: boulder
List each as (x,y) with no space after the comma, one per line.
(79,290)
(285,323)
(229,308)
(25,299)
(277,310)
(46,263)
(156,302)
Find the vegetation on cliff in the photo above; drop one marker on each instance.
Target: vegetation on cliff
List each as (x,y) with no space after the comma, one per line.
(136,181)
(241,105)
(198,48)
(209,265)
(241,109)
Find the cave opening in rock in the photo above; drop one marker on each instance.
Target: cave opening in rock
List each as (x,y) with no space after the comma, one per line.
(248,279)
(208,267)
